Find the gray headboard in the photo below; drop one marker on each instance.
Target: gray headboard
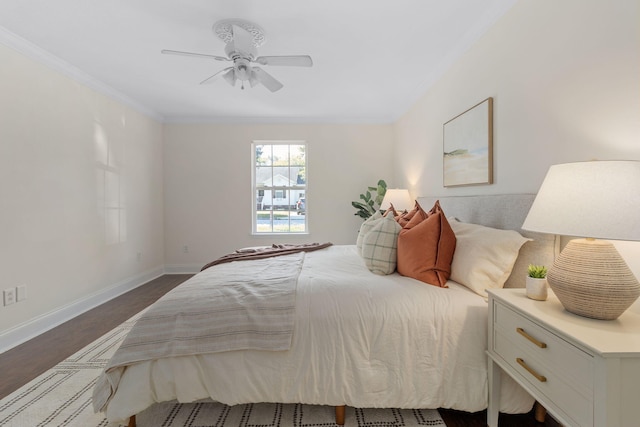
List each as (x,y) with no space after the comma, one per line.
(506,212)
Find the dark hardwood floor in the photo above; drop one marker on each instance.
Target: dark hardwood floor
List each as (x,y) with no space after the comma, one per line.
(23,363)
(26,361)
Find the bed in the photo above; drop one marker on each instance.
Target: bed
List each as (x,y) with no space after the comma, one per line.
(359,339)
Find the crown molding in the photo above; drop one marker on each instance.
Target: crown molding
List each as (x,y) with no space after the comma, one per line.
(328,120)
(40,55)
(470,38)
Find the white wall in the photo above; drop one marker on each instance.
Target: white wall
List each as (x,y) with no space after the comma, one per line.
(208,184)
(56,236)
(565,78)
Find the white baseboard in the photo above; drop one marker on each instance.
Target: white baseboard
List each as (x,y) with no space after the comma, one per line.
(182,268)
(34,327)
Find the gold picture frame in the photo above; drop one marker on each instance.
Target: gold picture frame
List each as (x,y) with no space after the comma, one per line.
(468,147)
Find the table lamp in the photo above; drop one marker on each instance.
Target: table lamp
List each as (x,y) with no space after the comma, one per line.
(594,200)
(398,197)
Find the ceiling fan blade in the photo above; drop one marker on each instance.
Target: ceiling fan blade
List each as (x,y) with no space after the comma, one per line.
(202,55)
(291,60)
(253,78)
(230,76)
(243,41)
(266,79)
(211,78)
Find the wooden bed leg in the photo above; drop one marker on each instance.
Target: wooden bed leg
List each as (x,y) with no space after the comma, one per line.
(340,415)
(132,421)
(539,412)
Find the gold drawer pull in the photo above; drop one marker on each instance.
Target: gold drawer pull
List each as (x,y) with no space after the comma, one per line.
(530,338)
(539,377)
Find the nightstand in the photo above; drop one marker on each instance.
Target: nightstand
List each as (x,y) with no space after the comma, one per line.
(585,372)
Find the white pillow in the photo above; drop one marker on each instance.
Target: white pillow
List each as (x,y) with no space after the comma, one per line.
(367,225)
(484,256)
(380,246)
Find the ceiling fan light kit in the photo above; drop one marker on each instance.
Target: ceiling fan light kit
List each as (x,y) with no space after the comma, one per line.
(242,38)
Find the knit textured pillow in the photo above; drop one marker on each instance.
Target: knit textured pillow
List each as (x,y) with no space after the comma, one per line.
(426,245)
(380,246)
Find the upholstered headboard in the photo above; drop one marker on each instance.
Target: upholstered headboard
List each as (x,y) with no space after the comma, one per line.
(507,212)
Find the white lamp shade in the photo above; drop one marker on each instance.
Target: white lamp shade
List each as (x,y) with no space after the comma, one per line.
(599,199)
(397,197)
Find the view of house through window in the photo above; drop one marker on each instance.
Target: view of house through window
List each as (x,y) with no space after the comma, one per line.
(279,187)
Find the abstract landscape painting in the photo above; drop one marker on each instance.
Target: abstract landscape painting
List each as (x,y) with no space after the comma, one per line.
(468,147)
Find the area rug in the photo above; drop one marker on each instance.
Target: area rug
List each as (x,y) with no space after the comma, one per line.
(62,397)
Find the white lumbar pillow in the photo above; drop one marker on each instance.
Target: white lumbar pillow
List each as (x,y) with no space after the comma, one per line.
(484,256)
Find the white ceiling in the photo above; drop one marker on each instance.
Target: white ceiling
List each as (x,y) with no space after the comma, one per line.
(372,58)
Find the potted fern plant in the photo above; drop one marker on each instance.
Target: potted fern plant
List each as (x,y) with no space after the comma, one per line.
(537,282)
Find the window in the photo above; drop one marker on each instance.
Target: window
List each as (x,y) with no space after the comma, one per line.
(279,187)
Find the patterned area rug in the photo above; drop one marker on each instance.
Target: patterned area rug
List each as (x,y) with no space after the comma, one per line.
(62,397)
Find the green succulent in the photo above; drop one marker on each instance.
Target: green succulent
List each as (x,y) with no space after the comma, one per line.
(537,271)
(369,203)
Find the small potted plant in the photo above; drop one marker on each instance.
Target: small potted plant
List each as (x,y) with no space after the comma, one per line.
(537,282)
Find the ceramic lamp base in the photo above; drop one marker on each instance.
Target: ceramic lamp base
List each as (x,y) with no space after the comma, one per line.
(591,279)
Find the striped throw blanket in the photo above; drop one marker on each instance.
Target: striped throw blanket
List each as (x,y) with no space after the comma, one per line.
(232,306)
(266,252)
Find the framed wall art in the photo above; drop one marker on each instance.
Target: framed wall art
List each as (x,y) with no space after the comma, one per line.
(468,147)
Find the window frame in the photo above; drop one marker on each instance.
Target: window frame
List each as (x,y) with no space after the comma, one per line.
(291,190)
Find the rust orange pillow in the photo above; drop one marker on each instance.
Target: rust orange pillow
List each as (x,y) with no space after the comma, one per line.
(404,218)
(426,245)
(391,211)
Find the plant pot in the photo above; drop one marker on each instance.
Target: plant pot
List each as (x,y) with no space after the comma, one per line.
(537,288)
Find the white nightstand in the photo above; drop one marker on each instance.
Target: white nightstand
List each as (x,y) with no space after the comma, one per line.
(585,372)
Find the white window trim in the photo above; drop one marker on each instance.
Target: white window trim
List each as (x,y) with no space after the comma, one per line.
(254,188)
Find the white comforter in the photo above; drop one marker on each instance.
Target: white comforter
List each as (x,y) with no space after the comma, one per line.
(360,339)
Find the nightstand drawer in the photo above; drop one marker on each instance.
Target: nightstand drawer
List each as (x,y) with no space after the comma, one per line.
(557,356)
(539,376)
(585,372)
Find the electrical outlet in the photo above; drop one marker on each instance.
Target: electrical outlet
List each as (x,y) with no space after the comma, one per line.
(9,296)
(21,293)
(185,249)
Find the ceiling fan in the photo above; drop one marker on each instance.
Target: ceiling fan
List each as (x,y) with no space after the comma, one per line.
(242,39)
